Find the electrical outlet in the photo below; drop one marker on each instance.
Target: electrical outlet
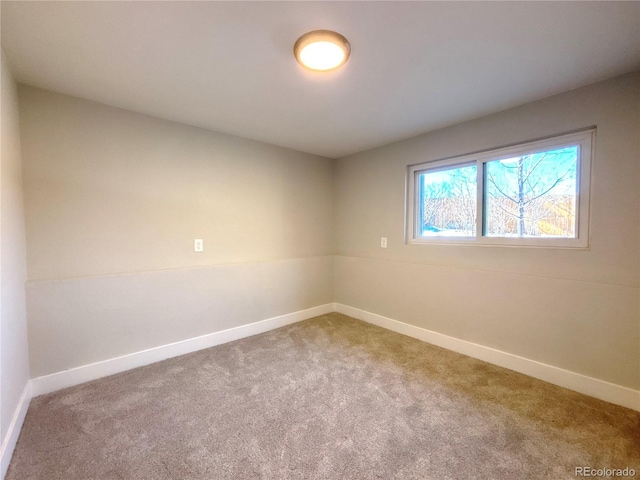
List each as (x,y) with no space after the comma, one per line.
(383,242)
(198,245)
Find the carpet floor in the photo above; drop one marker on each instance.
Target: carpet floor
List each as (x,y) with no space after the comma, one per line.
(328,398)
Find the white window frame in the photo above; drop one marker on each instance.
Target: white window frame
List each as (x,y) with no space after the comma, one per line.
(585,140)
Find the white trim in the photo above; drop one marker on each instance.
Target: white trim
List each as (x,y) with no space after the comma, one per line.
(583,139)
(11,438)
(601,389)
(593,387)
(93,371)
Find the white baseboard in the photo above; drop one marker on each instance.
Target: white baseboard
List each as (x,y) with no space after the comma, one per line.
(593,387)
(93,371)
(574,381)
(11,437)
(609,392)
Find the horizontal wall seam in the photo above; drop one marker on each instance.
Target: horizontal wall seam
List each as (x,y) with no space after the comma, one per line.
(500,272)
(171,269)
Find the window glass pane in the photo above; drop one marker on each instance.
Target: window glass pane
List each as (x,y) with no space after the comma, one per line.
(447,202)
(532,195)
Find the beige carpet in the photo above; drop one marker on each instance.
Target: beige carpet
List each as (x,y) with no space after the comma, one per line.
(328,398)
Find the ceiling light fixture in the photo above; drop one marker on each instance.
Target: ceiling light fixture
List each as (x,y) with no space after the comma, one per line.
(322,50)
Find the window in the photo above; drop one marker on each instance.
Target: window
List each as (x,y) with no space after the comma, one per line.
(533,194)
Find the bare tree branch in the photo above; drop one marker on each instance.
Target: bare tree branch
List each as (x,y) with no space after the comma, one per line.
(492,180)
(534,167)
(555,184)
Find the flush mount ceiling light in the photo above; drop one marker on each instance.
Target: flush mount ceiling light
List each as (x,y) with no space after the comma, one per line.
(322,50)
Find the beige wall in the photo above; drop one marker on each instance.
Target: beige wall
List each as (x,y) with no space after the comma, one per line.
(110,191)
(574,309)
(113,203)
(14,352)
(114,200)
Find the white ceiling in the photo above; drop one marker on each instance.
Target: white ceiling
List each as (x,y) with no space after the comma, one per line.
(229,67)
